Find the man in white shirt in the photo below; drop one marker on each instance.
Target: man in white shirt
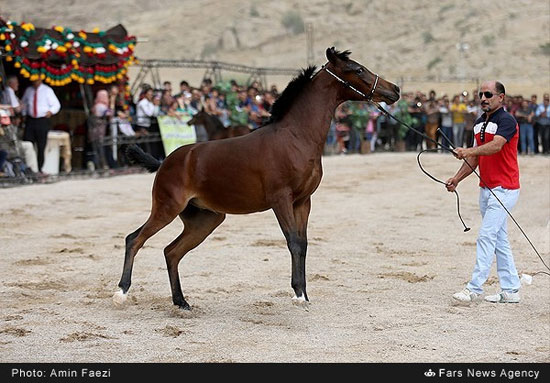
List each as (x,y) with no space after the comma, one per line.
(9,97)
(40,103)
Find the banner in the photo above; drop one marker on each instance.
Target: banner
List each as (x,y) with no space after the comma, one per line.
(175,132)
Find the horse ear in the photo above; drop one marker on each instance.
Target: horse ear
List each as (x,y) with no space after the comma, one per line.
(331,55)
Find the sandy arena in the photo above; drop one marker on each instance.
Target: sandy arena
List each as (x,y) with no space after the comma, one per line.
(386,253)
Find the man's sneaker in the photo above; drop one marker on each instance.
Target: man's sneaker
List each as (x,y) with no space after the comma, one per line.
(503,297)
(466,296)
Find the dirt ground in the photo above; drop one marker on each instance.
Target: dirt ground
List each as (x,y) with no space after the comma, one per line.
(386,253)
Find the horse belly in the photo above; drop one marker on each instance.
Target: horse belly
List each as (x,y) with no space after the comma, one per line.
(232,196)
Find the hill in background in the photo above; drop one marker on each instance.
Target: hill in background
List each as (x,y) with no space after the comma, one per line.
(404,41)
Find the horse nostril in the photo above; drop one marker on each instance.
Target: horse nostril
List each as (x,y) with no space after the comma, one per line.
(396,88)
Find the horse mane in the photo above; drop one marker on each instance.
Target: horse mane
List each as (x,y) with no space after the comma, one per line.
(292,90)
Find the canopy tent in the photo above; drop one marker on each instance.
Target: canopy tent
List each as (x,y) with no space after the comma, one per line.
(59,56)
(75,64)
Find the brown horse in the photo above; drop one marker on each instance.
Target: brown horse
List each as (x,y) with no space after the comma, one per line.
(214,127)
(276,167)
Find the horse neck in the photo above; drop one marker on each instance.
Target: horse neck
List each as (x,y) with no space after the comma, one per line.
(310,116)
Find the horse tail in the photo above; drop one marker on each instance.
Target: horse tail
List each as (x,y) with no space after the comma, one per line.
(136,155)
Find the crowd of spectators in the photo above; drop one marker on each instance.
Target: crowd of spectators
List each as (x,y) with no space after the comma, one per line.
(356,127)
(232,103)
(360,127)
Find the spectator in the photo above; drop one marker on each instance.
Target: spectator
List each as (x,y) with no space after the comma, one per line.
(342,128)
(359,117)
(120,121)
(381,127)
(196,100)
(256,111)
(206,86)
(373,113)
(147,108)
(165,101)
(167,86)
(268,100)
(147,111)
(97,127)
(10,99)
(19,152)
(215,105)
(40,103)
(458,110)
(543,121)
(239,110)
(446,123)
(525,116)
(471,115)
(533,105)
(173,110)
(416,110)
(432,123)
(185,90)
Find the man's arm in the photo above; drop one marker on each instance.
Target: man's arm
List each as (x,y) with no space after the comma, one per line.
(487,149)
(53,103)
(467,168)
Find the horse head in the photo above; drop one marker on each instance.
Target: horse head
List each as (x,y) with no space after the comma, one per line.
(360,83)
(199,118)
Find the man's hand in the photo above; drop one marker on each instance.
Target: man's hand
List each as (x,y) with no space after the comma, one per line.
(48,114)
(461,153)
(451,184)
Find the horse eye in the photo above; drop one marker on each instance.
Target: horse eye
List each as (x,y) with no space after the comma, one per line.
(359,71)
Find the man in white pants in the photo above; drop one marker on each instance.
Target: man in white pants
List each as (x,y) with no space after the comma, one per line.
(495,151)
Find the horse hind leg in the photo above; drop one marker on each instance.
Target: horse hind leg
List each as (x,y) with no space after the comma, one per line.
(198,224)
(135,241)
(120,296)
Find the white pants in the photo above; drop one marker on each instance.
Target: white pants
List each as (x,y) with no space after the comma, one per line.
(493,240)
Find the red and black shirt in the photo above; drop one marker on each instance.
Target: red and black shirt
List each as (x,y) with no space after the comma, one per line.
(499,169)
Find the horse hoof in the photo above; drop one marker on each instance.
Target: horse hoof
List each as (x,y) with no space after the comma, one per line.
(184,306)
(119,297)
(300,302)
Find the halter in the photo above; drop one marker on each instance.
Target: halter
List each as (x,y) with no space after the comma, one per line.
(348,85)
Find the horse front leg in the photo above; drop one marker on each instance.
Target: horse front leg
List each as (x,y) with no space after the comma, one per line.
(293,220)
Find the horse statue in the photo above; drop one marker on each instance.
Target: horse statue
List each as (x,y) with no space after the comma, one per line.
(276,167)
(214,127)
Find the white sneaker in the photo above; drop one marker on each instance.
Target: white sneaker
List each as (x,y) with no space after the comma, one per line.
(466,296)
(503,297)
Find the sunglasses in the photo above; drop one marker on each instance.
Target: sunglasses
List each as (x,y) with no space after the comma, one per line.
(487,94)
